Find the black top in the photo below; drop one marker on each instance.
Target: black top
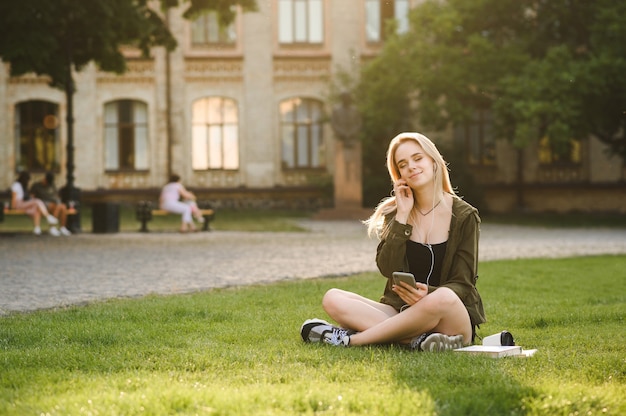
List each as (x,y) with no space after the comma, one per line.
(421,258)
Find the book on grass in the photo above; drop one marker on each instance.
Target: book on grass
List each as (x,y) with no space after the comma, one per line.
(492,350)
(528,353)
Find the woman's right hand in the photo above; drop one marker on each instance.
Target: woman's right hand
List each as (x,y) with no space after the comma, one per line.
(404,200)
(410,295)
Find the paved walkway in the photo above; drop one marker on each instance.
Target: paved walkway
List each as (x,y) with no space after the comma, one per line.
(46,272)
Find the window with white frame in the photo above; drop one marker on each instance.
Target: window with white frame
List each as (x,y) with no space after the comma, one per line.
(300,21)
(301,130)
(378,12)
(206,31)
(215,134)
(37,136)
(126,135)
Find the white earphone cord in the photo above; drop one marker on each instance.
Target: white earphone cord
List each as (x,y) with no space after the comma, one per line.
(427,236)
(430,247)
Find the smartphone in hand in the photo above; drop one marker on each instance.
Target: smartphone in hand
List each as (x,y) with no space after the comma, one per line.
(403,277)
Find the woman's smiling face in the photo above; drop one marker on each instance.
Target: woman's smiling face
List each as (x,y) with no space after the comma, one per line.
(415,166)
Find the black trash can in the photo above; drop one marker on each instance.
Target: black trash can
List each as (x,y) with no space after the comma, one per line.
(105,217)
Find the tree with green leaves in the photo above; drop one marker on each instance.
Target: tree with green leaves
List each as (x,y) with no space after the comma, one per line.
(59,37)
(545,68)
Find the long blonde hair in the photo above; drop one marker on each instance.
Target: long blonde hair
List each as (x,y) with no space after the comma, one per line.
(388,205)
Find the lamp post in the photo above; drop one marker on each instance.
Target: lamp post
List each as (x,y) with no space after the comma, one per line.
(70,195)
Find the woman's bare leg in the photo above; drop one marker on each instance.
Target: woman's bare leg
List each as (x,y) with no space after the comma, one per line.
(36,219)
(60,212)
(440,311)
(354,311)
(42,207)
(195,211)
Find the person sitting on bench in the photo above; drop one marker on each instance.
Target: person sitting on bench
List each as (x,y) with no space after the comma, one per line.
(33,207)
(176,199)
(48,193)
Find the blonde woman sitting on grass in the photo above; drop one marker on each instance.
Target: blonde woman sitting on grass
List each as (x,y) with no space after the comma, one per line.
(424,229)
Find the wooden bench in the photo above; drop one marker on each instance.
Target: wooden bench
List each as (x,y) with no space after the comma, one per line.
(19,212)
(145,212)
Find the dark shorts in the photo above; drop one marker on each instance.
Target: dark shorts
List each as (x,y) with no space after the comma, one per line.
(405,306)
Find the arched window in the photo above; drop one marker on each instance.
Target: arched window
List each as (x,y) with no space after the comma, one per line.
(126,135)
(215,134)
(301,133)
(37,136)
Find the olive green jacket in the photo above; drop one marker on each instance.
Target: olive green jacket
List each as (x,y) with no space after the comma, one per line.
(459,270)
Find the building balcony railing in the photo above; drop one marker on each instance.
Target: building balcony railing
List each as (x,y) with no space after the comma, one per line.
(562,174)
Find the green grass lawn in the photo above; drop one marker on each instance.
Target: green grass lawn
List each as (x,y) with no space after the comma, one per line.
(237,351)
(226,220)
(281,220)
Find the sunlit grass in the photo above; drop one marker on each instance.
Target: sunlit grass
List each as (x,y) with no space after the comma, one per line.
(237,351)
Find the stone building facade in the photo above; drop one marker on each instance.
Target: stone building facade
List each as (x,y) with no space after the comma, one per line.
(241,114)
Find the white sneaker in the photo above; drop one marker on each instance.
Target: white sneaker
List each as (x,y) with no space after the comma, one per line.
(37,231)
(52,219)
(65,231)
(54,232)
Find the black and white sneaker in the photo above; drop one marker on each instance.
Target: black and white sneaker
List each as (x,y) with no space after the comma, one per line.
(436,342)
(318,330)
(312,330)
(338,336)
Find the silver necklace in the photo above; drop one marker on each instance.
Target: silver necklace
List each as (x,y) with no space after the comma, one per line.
(430,210)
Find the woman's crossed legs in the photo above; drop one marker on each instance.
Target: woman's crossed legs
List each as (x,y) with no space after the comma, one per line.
(440,311)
